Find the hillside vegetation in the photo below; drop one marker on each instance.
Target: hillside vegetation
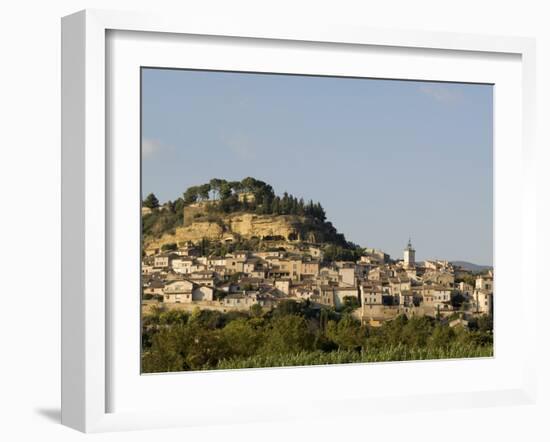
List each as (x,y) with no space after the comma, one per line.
(246,212)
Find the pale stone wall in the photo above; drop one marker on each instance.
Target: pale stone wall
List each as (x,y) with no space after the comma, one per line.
(283,285)
(202,293)
(347,276)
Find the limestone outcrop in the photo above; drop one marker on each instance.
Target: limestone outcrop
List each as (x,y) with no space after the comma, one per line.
(244,225)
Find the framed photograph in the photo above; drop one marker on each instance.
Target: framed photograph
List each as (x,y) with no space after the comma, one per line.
(251,213)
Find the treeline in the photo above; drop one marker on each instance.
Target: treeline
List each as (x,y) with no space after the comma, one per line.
(294,333)
(231,196)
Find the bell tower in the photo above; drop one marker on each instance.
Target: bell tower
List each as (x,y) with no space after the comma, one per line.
(408,256)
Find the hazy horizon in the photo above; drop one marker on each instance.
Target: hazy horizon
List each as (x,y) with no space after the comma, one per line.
(387,159)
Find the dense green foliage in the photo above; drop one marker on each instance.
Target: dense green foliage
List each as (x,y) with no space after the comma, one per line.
(296,334)
(151,201)
(169,247)
(347,252)
(262,201)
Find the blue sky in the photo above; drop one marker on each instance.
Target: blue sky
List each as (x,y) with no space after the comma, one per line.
(387,159)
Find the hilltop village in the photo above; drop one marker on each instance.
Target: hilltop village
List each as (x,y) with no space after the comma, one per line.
(372,285)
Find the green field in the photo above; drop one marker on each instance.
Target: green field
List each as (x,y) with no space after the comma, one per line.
(388,354)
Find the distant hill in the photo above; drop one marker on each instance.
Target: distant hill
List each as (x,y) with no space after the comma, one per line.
(471,267)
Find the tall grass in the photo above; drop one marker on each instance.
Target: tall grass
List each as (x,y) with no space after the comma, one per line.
(386,354)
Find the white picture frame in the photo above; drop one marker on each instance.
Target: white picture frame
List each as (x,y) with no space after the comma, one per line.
(87,207)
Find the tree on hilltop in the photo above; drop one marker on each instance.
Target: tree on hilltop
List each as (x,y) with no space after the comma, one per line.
(151,201)
(215,187)
(276,206)
(225,190)
(204,192)
(190,195)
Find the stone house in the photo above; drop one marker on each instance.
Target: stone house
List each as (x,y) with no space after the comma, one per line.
(328,275)
(242,300)
(294,267)
(164,261)
(340,293)
(203,277)
(371,294)
(283,285)
(233,265)
(269,254)
(444,279)
(442,298)
(436,296)
(371,260)
(465,288)
(347,276)
(250,265)
(180,291)
(399,285)
(189,250)
(412,273)
(216,261)
(484,282)
(249,283)
(219,271)
(303,292)
(309,269)
(326,295)
(483,301)
(182,265)
(203,293)
(154,287)
(197,267)
(377,274)
(407,298)
(283,268)
(241,255)
(260,274)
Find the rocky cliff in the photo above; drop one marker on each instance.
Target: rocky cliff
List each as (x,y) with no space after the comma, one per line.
(247,226)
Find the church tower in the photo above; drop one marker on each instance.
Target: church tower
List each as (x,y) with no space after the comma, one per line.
(408,256)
